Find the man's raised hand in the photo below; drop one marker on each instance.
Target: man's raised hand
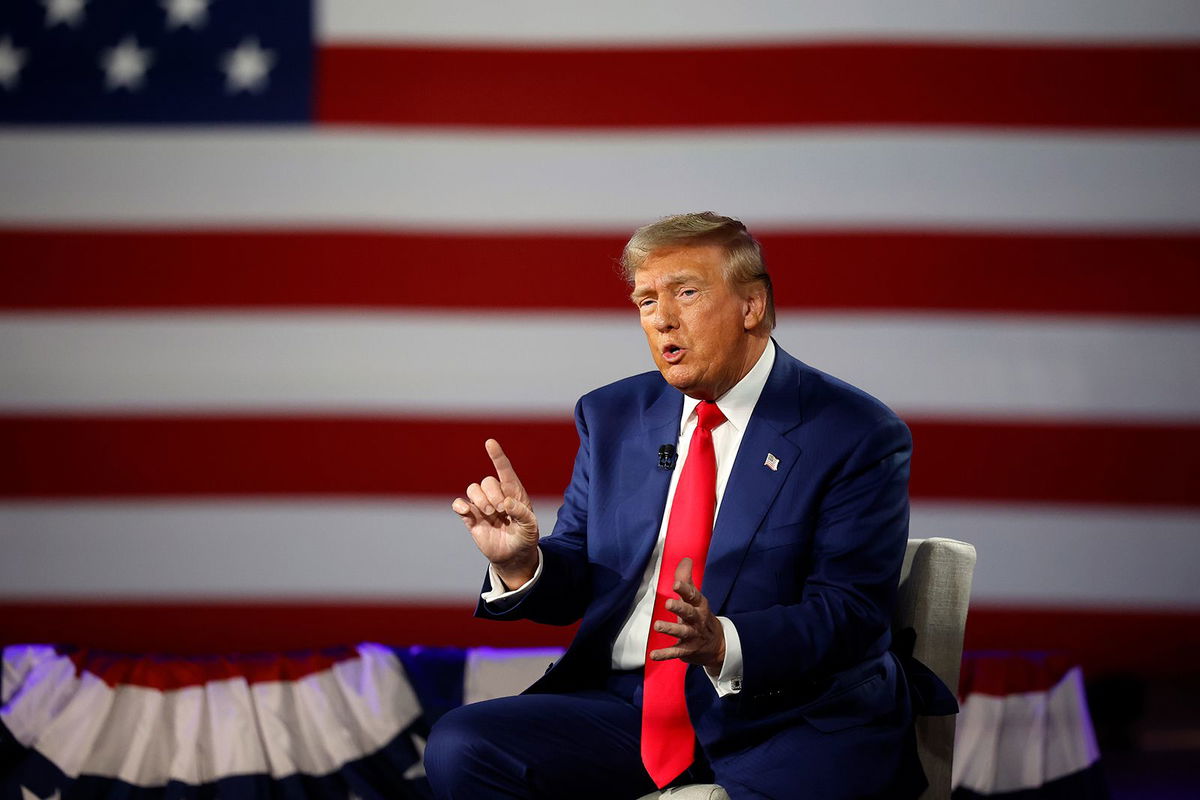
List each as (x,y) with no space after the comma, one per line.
(500,518)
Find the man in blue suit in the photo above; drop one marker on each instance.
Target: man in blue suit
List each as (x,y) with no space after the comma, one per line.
(790,687)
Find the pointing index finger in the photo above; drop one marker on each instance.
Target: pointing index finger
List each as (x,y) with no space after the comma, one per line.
(504,469)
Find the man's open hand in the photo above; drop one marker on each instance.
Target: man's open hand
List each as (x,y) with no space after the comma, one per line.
(500,518)
(701,637)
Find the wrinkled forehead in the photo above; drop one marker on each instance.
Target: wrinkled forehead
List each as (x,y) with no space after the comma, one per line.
(699,260)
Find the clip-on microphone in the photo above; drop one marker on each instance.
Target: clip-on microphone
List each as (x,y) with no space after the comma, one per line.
(666,456)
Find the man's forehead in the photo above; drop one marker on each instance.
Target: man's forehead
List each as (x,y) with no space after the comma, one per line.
(698,253)
(642,279)
(674,265)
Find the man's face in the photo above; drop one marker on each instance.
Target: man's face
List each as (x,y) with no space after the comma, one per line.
(697,324)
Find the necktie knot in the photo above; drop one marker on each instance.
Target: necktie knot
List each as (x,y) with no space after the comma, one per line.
(710,416)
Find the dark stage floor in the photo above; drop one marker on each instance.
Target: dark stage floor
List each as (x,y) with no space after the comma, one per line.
(1149,733)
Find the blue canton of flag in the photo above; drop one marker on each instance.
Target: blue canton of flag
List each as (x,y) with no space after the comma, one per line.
(149,61)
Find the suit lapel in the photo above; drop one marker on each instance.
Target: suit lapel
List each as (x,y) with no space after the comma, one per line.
(643,484)
(753,486)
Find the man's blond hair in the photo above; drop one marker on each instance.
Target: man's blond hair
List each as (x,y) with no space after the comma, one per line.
(743,257)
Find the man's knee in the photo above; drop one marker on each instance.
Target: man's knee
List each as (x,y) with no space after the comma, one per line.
(451,743)
(462,755)
(445,743)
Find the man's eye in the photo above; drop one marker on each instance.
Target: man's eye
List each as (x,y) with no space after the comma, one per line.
(687,292)
(645,303)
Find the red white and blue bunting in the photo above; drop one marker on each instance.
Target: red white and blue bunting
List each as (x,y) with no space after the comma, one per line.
(1024,731)
(331,724)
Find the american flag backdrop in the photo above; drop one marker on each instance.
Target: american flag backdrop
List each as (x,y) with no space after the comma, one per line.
(271,274)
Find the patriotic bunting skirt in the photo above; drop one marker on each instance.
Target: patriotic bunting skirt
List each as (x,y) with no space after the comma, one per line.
(1024,731)
(343,723)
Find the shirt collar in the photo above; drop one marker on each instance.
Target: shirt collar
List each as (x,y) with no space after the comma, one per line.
(738,403)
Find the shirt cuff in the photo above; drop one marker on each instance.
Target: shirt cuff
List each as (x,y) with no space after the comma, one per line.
(730,679)
(499,597)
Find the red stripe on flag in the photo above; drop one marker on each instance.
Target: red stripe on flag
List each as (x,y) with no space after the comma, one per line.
(278,455)
(881,270)
(1057,462)
(906,84)
(182,628)
(126,456)
(1149,642)
(1153,642)
(129,456)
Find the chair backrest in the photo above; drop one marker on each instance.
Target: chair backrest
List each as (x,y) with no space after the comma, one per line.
(935,587)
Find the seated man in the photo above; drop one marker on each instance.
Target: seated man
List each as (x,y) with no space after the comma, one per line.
(731,539)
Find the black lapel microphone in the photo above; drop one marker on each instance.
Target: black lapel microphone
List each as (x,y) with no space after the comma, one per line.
(666,456)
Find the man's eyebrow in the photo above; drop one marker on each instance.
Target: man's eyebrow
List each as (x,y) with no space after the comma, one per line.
(674,279)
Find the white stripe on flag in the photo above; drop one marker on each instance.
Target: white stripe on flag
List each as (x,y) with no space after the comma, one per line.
(416,551)
(578,181)
(417,363)
(413,550)
(1069,556)
(549,22)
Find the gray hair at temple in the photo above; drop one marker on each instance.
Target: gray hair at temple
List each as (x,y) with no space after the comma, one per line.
(743,257)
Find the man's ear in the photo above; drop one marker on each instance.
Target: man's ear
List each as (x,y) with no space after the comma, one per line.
(755,306)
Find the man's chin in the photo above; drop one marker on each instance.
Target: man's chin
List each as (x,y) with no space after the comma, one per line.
(684,380)
(676,376)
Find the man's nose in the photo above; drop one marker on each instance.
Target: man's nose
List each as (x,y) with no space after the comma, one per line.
(664,318)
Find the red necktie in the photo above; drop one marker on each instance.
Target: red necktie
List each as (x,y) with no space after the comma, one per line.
(668,739)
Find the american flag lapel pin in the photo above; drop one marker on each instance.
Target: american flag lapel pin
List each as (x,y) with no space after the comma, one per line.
(772,463)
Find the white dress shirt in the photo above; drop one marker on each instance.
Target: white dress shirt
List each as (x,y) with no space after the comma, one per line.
(629,647)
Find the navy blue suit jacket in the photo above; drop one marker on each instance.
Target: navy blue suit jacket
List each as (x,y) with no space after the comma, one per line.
(804,559)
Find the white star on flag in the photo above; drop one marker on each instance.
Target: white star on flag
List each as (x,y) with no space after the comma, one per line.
(69,12)
(190,13)
(125,65)
(247,66)
(11,61)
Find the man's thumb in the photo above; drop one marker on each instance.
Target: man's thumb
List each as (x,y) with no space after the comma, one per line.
(683,571)
(521,513)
